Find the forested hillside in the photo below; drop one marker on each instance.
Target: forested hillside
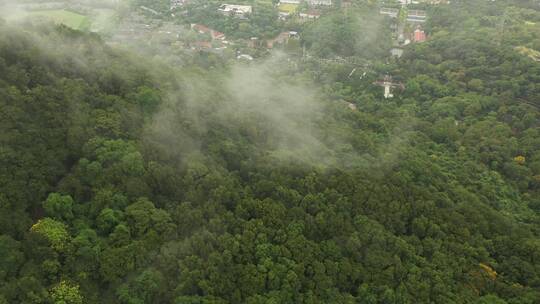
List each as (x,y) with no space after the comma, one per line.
(127,180)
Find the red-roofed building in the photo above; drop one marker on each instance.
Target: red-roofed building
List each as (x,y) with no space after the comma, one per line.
(217,35)
(419,36)
(201,29)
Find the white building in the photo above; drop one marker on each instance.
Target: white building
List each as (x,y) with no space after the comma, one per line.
(387,92)
(319,2)
(244,57)
(289,1)
(240,11)
(392,12)
(284,15)
(416,16)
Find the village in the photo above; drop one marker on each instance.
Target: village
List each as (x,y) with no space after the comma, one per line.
(407,26)
(229,30)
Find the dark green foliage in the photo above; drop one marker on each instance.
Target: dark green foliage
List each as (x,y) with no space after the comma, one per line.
(345,34)
(114,191)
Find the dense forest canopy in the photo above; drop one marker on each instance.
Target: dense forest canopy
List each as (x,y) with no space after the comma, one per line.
(127,179)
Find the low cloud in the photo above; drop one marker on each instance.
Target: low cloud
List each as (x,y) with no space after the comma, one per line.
(275,112)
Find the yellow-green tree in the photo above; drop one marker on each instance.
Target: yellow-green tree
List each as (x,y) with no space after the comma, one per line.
(53,231)
(66,293)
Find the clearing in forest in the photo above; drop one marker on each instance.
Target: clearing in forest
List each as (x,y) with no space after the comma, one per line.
(71,19)
(288,8)
(533,54)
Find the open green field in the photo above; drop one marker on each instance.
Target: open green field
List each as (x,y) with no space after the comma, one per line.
(73,20)
(264,2)
(288,8)
(103,20)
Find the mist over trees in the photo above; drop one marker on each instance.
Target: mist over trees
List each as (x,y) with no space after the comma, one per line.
(125,178)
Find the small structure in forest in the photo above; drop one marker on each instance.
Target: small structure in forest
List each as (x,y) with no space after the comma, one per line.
(388,86)
(281,39)
(310,14)
(396,52)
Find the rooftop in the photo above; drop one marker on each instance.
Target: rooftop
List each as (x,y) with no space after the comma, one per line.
(235,8)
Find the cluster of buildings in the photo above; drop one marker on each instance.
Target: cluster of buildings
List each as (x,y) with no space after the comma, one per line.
(310,14)
(407,2)
(286,8)
(407,28)
(210,39)
(140,28)
(407,25)
(403,34)
(217,40)
(235,10)
(309,2)
(413,16)
(289,7)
